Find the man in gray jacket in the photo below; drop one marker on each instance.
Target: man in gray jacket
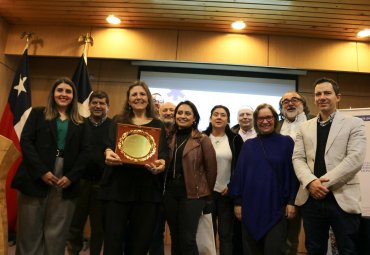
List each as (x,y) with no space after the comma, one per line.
(329,152)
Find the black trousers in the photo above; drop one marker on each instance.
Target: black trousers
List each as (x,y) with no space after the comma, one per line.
(273,243)
(131,224)
(223,221)
(182,217)
(87,205)
(319,216)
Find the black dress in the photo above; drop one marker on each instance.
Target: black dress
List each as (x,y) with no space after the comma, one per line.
(131,197)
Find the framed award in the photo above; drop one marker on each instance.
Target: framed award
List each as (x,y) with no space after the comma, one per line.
(137,144)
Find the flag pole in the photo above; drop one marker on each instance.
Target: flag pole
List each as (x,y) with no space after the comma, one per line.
(28,36)
(81,77)
(86,39)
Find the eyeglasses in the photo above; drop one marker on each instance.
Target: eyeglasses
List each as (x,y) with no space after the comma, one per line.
(293,100)
(267,118)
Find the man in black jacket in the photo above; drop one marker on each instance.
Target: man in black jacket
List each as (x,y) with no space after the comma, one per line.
(87,203)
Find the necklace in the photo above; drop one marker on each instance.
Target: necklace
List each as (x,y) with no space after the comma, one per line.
(174,160)
(216,141)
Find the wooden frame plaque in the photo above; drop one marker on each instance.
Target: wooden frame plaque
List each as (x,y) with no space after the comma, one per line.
(137,144)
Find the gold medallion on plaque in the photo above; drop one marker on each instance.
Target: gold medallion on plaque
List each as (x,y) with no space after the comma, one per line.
(137,144)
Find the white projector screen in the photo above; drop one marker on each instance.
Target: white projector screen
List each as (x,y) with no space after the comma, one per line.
(206,91)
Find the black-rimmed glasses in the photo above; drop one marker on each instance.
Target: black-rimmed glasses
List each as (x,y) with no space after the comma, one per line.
(267,118)
(293,100)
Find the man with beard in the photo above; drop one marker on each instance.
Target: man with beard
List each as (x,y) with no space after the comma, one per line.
(166,115)
(294,111)
(88,204)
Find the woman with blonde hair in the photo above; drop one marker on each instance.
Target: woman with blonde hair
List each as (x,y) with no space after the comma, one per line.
(53,144)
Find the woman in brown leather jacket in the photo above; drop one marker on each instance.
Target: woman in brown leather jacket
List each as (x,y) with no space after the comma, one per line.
(190,179)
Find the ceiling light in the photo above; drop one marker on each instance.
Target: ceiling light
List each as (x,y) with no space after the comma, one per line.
(113,20)
(238,25)
(364,33)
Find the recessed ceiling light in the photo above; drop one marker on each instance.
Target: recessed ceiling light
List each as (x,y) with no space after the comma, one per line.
(113,20)
(238,25)
(364,33)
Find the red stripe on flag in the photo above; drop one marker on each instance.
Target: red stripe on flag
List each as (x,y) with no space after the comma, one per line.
(7,130)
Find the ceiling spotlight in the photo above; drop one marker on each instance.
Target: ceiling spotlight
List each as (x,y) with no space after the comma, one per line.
(364,33)
(113,20)
(238,25)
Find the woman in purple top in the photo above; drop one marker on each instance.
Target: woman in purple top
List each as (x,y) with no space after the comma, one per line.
(265,186)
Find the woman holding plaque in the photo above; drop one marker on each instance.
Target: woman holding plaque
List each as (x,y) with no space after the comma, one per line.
(53,145)
(227,146)
(132,193)
(190,179)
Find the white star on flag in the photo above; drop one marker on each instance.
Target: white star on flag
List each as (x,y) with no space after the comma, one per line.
(20,87)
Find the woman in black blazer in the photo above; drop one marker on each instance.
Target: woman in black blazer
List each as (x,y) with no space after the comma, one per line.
(53,145)
(132,194)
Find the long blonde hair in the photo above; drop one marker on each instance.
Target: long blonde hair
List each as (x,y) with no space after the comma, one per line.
(51,111)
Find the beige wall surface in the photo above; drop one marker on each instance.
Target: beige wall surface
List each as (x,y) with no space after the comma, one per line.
(223,48)
(307,53)
(193,46)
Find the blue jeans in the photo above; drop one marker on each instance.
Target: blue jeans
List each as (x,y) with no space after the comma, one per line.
(319,215)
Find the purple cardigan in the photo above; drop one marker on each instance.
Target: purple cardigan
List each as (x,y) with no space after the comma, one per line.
(265,181)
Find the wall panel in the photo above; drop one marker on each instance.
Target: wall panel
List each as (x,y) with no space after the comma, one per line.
(363,56)
(354,102)
(196,46)
(134,44)
(307,53)
(222,48)
(305,83)
(47,41)
(354,84)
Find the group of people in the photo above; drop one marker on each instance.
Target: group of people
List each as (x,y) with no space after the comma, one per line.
(257,179)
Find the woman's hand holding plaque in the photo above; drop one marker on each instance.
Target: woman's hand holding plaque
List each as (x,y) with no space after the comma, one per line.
(156,167)
(111,158)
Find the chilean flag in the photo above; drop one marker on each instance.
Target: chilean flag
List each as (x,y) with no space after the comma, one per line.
(11,125)
(82,81)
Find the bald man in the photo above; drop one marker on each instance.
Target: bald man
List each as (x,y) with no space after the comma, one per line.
(245,123)
(166,114)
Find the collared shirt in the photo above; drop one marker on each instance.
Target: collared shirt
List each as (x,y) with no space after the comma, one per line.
(251,133)
(290,127)
(96,124)
(326,122)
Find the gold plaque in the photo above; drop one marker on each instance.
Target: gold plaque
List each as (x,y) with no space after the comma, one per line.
(137,144)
